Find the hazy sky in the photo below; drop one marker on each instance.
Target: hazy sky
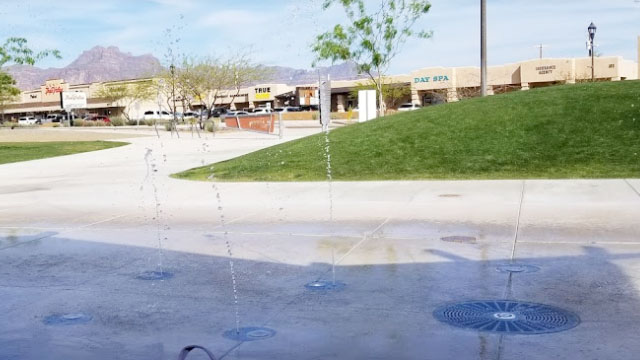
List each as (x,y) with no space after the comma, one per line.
(279,32)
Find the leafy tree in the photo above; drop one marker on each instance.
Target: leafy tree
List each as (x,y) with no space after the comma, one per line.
(209,79)
(8,91)
(373,37)
(15,50)
(392,93)
(126,94)
(113,93)
(244,73)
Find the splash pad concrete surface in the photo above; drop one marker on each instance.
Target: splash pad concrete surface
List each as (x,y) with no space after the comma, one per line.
(83,238)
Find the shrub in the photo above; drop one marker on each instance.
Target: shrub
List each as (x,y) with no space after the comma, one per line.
(302,115)
(117,121)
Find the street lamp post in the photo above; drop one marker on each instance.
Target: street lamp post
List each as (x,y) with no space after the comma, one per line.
(483,47)
(592,34)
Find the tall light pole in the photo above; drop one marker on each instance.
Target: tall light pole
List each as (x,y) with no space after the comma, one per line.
(173,97)
(483,47)
(592,34)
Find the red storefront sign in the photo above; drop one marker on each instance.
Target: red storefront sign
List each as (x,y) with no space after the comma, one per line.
(52,89)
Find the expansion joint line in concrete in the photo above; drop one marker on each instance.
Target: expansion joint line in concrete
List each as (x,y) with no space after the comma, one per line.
(63,232)
(507,291)
(365,237)
(301,295)
(515,234)
(500,347)
(632,187)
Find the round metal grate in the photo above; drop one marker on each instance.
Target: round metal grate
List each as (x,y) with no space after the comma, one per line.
(154,275)
(249,334)
(517,268)
(322,285)
(507,317)
(67,319)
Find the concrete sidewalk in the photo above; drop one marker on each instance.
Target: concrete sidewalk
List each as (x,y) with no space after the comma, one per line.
(77,232)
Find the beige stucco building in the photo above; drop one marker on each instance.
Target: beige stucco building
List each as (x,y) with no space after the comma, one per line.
(439,84)
(424,87)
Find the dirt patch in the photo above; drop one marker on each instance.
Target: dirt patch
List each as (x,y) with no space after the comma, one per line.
(58,134)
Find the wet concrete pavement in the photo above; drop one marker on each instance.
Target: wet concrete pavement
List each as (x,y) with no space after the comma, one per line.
(77,233)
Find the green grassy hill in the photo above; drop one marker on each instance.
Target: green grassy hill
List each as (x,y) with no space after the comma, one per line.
(569,131)
(11,152)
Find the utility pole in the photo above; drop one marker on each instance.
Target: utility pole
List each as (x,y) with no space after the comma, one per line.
(541,46)
(174,125)
(483,47)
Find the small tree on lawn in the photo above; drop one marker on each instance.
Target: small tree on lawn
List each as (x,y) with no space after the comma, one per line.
(166,86)
(373,37)
(244,72)
(126,94)
(15,50)
(8,92)
(392,93)
(209,79)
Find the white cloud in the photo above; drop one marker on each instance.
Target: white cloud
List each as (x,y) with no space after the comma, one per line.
(281,31)
(235,20)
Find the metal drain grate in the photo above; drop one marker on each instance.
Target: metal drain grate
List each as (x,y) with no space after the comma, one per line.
(459,239)
(249,334)
(517,268)
(507,317)
(67,319)
(321,285)
(154,275)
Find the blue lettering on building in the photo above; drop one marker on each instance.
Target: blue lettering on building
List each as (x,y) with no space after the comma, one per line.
(428,79)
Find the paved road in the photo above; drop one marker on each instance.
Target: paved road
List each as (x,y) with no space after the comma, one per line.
(77,232)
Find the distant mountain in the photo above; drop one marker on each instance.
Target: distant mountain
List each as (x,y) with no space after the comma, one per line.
(97,64)
(110,64)
(290,76)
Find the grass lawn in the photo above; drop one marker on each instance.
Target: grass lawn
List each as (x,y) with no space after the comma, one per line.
(569,131)
(22,151)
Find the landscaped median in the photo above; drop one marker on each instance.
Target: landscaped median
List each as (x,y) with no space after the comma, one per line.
(571,131)
(11,152)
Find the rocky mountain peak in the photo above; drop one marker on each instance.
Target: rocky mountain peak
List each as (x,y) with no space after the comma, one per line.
(109,64)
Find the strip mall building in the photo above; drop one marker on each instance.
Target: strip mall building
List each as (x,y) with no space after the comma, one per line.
(425,86)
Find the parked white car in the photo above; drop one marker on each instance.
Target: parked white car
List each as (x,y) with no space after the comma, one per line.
(262,111)
(157,115)
(409,107)
(29,120)
(236,113)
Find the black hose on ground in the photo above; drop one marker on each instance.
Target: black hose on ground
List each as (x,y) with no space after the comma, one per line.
(187,350)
